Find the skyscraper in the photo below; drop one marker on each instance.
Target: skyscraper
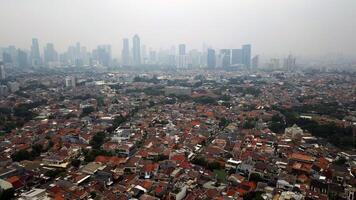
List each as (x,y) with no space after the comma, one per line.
(226,57)
(182,57)
(103,54)
(50,54)
(35,53)
(255,62)
(289,63)
(22,58)
(144,54)
(125,53)
(182,49)
(2,71)
(246,55)
(136,50)
(211,59)
(153,57)
(236,56)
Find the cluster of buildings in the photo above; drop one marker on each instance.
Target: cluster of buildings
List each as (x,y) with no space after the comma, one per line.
(133,54)
(186,135)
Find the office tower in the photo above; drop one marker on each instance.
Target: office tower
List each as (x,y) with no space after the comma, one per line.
(289,63)
(2,71)
(77,50)
(255,62)
(182,49)
(182,57)
(226,57)
(6,58)
(236,56)
(78,59)
(35,53)
(194,58)
(152,57)
(125,53)
(50,54)
(144,54)
(84,56)
(10,56)
(103,55)
(136,50)
(246,55)
(211,60)
(70,56)
(22,58)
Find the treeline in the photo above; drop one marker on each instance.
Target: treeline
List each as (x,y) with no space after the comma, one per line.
(337,135)
(11,118)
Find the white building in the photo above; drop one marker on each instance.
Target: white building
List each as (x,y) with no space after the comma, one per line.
(294,132)
(70,81)
(34,194)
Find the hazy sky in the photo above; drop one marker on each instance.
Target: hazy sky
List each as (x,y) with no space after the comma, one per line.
(271,26)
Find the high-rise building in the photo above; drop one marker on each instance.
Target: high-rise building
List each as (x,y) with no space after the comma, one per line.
(246,55)
(136,50)
(211,59)
(78,59)
(152,57)
(144,54)
(2,71)
(4,91)
(236,56)
(9,56)
(6,58)
(35,53)
(255,62)
(182,57)
(50,54)
(182,49)
(290,63)
(226,57)
(194,58)
(22,58)
(103,55)
(125,53)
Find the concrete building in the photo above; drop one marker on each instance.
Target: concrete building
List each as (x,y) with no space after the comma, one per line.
(211,59)
(125,54)
(70,81)
(2,71)
(136,50)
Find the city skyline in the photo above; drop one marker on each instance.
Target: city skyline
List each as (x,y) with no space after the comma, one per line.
(161,24)
(79,55)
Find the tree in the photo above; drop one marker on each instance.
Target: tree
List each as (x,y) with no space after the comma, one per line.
(97,140)
(249,124)
(37,150)
(223,123)
(255,177)
(253,196)
(87,110)
(21,155)
(118,120)
(75,163)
